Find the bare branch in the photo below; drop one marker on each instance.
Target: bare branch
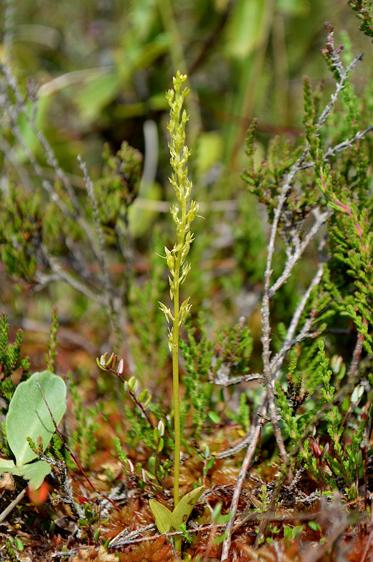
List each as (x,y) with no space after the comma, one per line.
(64,275)
(276,362)
(9,508)
(344,73)
(223,379)
(253,442)
(293,259)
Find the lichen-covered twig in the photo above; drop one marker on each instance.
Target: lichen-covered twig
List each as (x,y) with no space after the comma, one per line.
(59,272)
(223,380)
(293,258)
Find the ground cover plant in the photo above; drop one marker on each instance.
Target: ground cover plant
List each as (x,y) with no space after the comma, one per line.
(193,378)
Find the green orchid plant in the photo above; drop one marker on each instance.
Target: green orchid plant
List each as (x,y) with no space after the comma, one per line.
(183,213)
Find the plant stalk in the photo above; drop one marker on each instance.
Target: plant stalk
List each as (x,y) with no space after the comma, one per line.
(183,214)
(176,389)
(176,399)
(175,371)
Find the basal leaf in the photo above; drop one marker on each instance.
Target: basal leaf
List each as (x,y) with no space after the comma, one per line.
(185,506)
(162,515)
(37,406)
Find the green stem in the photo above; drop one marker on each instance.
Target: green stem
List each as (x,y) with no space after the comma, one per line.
(176,400)
(176,389)
(175,370)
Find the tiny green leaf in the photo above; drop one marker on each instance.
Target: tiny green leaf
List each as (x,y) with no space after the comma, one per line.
(19,544)
(314,525)
(214,417)
(162,515)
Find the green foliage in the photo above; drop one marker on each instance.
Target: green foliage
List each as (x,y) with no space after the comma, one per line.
(52,233)
(249,242)
(350,269)
(149,335)
(204,363)
(292,533)
(63,228)
(35,410)
(83,439)
(234,349)
(10,358)
(21,239)
(264,180)
(52,344)
(312,415)
(166,519)
(47,395)
(197,352)
(364,12)
(117,190)
(12,546)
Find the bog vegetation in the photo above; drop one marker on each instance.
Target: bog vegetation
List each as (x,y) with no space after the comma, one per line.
(186,328)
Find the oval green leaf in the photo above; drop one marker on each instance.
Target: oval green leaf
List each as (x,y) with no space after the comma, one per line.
(36,408)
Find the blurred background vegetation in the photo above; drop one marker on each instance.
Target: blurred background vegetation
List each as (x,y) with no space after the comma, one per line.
(102,67)
(96,74)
